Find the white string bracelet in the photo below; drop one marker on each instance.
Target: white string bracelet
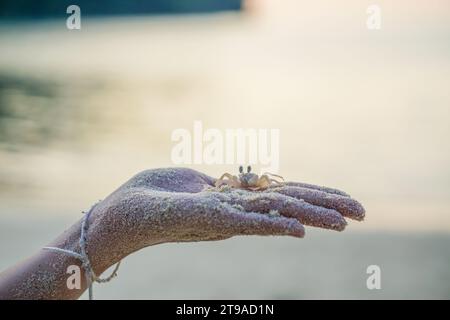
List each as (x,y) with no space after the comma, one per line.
(91,277)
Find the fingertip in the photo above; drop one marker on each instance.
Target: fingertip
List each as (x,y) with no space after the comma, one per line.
(339,226)
(298,230)
(353,209)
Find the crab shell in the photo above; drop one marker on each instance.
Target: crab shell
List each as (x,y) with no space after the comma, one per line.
(248,180)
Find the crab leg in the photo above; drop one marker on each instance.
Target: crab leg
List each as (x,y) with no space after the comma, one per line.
(278,183)
(263,183)
(274,175)
(231,180)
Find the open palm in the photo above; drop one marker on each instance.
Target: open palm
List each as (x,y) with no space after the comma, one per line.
(172,205)
(180,204)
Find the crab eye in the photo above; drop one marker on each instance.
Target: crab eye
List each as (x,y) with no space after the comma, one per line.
(249,169)
(241,169)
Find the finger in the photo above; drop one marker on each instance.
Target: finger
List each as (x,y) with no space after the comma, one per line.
(347,206)
(240,222)
(306,213)
(315,187)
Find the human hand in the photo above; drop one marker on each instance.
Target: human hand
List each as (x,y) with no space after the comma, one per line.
(173,205)
(181,205)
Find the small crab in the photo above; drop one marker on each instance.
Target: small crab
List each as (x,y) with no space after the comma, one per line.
(248,180)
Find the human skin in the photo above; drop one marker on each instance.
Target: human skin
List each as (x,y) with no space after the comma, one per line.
(175,205)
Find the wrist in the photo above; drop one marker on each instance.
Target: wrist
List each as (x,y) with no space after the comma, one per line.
(94,246)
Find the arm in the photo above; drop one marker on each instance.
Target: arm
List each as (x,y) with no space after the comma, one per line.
(174,205)
(44,274)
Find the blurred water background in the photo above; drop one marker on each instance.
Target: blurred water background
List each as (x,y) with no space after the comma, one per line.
(366,111)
